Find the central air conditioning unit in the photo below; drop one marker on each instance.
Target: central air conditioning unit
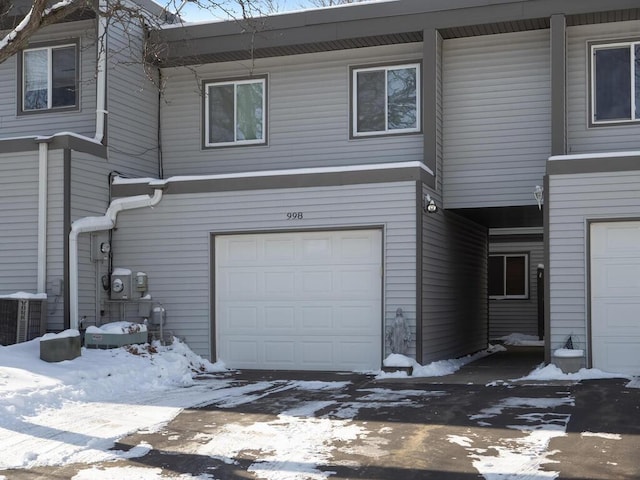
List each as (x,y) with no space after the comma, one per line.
(22,319)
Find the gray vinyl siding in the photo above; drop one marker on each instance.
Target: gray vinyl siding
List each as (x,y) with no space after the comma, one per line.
(581,138)
(521,315)
(19,220)
(172,242)
(132,125)
(454,285)
(307,115)
(575,199)
(497,118)
(89,197)
(48,123)
(56,238)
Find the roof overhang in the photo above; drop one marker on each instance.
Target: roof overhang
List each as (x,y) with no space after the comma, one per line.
(372,24)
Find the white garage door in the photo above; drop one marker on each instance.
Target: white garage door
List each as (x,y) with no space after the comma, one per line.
(615,296)
(300,301)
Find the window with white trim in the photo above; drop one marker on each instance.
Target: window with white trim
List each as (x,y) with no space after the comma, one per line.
(49,78)
(509,276)
(235,112)
(615,82)
(386,100)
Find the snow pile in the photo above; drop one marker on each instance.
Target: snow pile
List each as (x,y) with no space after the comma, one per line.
(73,411)
(551,372)
(433,369)
(72,332)
(522,340)
(25,296)
(568,353)
(118,328)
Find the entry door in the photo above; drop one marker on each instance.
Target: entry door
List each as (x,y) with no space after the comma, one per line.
(300,300)
(615,296)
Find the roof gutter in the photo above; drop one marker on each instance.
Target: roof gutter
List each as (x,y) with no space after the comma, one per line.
(98,224)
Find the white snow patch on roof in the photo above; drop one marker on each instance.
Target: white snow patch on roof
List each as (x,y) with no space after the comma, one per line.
(586,156)
(272,173)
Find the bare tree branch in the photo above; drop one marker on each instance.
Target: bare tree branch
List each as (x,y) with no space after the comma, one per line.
(38,17)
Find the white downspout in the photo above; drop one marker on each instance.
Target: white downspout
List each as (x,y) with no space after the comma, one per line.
(43,165)
(97,224)
(101,80)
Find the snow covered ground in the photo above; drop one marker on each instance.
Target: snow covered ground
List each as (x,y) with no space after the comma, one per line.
(75,411)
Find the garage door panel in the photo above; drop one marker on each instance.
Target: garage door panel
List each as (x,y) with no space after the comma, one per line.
(317,249)
(618,354)
(280,353)
(239,250)
(280,317)
(278,283)
(617,318)
(298,291)
(615,296)
(242,351)
(279,250)
(615,277)
(318,317)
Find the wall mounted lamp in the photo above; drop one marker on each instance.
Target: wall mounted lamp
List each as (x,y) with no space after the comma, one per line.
(429,204)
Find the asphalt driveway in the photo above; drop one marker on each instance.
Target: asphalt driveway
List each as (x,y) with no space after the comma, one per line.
(293,425)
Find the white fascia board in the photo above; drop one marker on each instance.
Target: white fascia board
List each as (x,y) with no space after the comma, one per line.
(587,156)
(272,173)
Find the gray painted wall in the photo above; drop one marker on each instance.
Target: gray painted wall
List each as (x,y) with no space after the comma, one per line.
(82,121)
(581,138)
(497,118)
(89,197)
(179,278)
(19,218)
(308,115)
(133,95)
(454,290)
(575,199)
(516,316)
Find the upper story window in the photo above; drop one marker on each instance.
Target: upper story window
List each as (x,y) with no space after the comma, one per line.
(386,100)
(508,276)
(235,112)
(49,78)
(615,82)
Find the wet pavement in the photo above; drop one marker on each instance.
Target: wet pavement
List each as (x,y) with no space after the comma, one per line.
(478,423)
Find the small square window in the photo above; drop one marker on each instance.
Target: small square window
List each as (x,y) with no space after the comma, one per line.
(509,276)
(49,78)
(615,83)
(235,112)
(386,100)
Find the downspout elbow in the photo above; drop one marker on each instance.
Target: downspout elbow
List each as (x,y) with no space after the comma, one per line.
(98,224)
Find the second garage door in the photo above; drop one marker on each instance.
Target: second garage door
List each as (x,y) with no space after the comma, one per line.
(615,296)
(300,301)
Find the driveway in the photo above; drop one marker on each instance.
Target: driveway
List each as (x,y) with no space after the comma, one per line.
(294,425)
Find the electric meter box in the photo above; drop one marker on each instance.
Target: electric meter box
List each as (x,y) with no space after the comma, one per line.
(121,284)
(100,247)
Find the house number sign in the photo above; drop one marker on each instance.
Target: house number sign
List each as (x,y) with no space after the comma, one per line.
(295,215)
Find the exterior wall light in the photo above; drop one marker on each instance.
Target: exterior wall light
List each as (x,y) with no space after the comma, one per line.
(429,204)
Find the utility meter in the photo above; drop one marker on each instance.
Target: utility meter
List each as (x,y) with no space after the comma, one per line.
(100,247)
(117,286)
(121,284)
(141,282)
